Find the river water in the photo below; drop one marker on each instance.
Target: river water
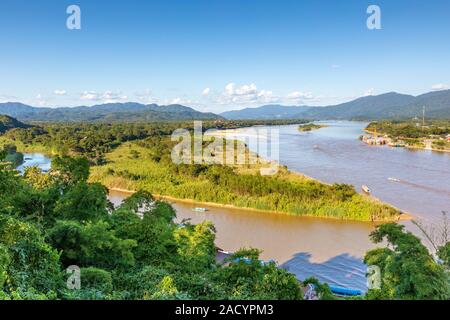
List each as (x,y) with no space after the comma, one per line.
(35,159)
(335,154)
(329,250)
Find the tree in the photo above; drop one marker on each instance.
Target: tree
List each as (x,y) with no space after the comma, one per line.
(66,236)
(70,171)
(195,245)
(84,202)
(4,264)
(93,244)
(37,179)
(33,265)
(153,232)
(444,254)
(167,290)
(98,279)
(408,270)
(247,277)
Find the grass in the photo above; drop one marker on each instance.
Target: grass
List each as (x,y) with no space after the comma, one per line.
(132,167)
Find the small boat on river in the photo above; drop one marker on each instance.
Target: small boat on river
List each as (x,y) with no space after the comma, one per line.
(200,210)
(366,189)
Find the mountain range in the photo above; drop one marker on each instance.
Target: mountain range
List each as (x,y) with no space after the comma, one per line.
(390,105)
(110,112)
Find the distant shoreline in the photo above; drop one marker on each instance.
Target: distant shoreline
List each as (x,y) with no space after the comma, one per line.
(408,146)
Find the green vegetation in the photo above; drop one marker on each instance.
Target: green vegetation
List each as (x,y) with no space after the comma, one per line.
(107,113)
(147,165)
(49,222)
(413,133)
(120,150)
(93,141)
(12,156)
(8,123)
(310,127)
(408,270)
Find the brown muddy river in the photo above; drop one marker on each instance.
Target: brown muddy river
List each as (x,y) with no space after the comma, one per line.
(327,249)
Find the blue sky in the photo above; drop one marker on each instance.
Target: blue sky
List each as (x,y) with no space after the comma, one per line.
(220,55)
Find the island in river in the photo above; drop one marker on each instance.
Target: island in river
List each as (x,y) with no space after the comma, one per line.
(310,127)
(138,157)
(328,249)
(147,165)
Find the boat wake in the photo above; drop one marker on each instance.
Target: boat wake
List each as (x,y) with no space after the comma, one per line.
(419,186)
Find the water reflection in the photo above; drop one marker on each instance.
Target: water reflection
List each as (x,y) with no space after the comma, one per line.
(344,270)
(35,159)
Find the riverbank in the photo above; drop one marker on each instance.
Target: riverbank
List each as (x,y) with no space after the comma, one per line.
(240,187)
(234,187)
(147,165)
(402,217)
(407,146)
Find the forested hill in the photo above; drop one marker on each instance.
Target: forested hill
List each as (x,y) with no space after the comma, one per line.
(111,112)
(390,105)
(8,123)
(274,111)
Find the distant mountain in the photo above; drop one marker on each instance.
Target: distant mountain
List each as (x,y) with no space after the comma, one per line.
(111,112)
(390,105)
(265,112)
(8,123)
(437,105)
(370,107)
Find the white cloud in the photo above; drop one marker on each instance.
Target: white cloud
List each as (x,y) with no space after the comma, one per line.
(246,95)
(106,97)
(246,90)
(60,92)
(206,92)
(90,95)
(111,97)
(41,100)
(298,95)
(369,92)
(229,88)
(8,98)
(146,97)
(182,101)
(440,86)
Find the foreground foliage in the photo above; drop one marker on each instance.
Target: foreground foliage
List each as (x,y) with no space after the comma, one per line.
(408,270)
(49,222)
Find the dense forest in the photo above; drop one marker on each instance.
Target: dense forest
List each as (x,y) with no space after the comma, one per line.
(107,113)
(53,221)
(94,140)
(119,150)
(49,222)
